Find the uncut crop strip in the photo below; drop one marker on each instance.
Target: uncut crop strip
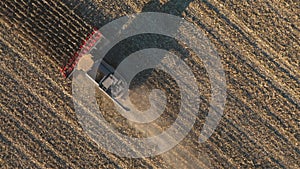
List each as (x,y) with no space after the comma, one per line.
(55,27)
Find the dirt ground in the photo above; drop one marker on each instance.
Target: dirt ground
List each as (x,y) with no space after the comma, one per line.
(257,41)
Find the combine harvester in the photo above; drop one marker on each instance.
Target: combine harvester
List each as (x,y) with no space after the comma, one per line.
(107,79)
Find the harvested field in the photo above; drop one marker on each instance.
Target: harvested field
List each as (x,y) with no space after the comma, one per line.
(258,43)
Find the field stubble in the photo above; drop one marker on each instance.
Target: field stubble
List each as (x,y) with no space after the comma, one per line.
(259,48)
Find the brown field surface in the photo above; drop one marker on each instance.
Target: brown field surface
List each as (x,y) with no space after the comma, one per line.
(257,41)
